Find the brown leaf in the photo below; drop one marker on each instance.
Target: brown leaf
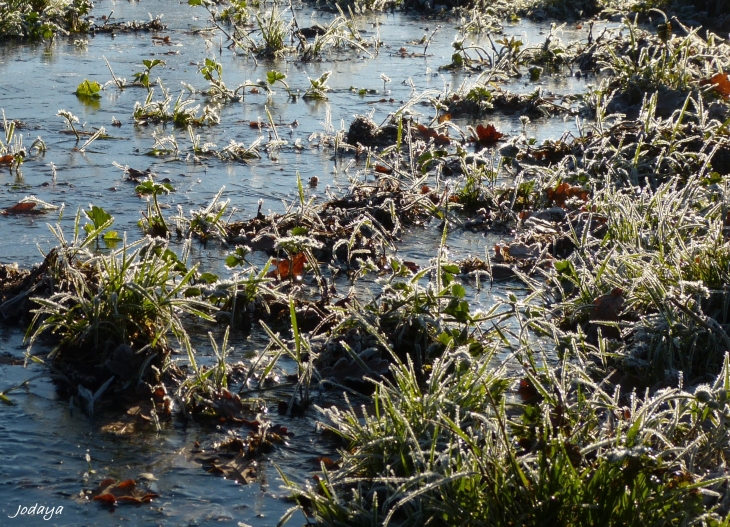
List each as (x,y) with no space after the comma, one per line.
(285,269)
(6,160)
(608,307)
(516,251)
(239,469)
(24,207)
(226,404)
(564,191)
(412,266)
(721,84)
(106,498)
(488,134)
(383,170)
(111,493)
(443,118)
(328,463)
(527,390)
(431,133)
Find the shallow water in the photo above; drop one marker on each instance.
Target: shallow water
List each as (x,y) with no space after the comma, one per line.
(43,442)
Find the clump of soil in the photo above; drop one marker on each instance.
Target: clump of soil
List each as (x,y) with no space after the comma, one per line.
(364,131)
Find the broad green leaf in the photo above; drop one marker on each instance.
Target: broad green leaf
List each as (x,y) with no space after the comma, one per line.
(208,278)
(273,76)
(98,216)
(89,89)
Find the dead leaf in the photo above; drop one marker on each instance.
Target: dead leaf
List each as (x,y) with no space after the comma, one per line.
(328,463)
(412,266)
(383,170)
(488,134)
(285,269)
(431,133)
(6,160)
(720,82)
(607,307)
(443,118)
(516,251)
(527,390)
(239,469)
(564,191)
(23,207)
(227,404)
(112,493)
(119,428)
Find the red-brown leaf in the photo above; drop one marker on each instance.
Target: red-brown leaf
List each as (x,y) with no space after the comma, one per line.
(21,208)
(564,191)
(111,493)
(721,82)
(527,390)
(431,133)
(285,269)
(106,498)
(6,160)
(488,134)
(383,170)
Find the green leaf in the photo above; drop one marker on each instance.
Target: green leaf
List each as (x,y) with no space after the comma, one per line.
(192,291)
(564,267)
(238,257)
(208,278)
(112,236)
(459,309)
(458,290)
(149,64)
(149,187)
(195,2)
(89,89)
(98,216)
(299,231)
(273,76)
(451,268)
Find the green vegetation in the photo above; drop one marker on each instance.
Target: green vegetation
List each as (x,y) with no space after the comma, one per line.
(94,303)
(599,397)
(36,19)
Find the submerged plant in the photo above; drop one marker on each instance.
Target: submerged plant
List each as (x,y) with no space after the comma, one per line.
(181,114)
(318,87)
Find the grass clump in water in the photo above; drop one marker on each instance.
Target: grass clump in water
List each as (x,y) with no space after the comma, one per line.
(132,297)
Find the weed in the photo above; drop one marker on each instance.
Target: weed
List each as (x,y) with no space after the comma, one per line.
(131,296)
(181,114)
(318,87)
(154,222)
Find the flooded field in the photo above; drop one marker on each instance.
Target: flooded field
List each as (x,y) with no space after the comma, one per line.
(483,261)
